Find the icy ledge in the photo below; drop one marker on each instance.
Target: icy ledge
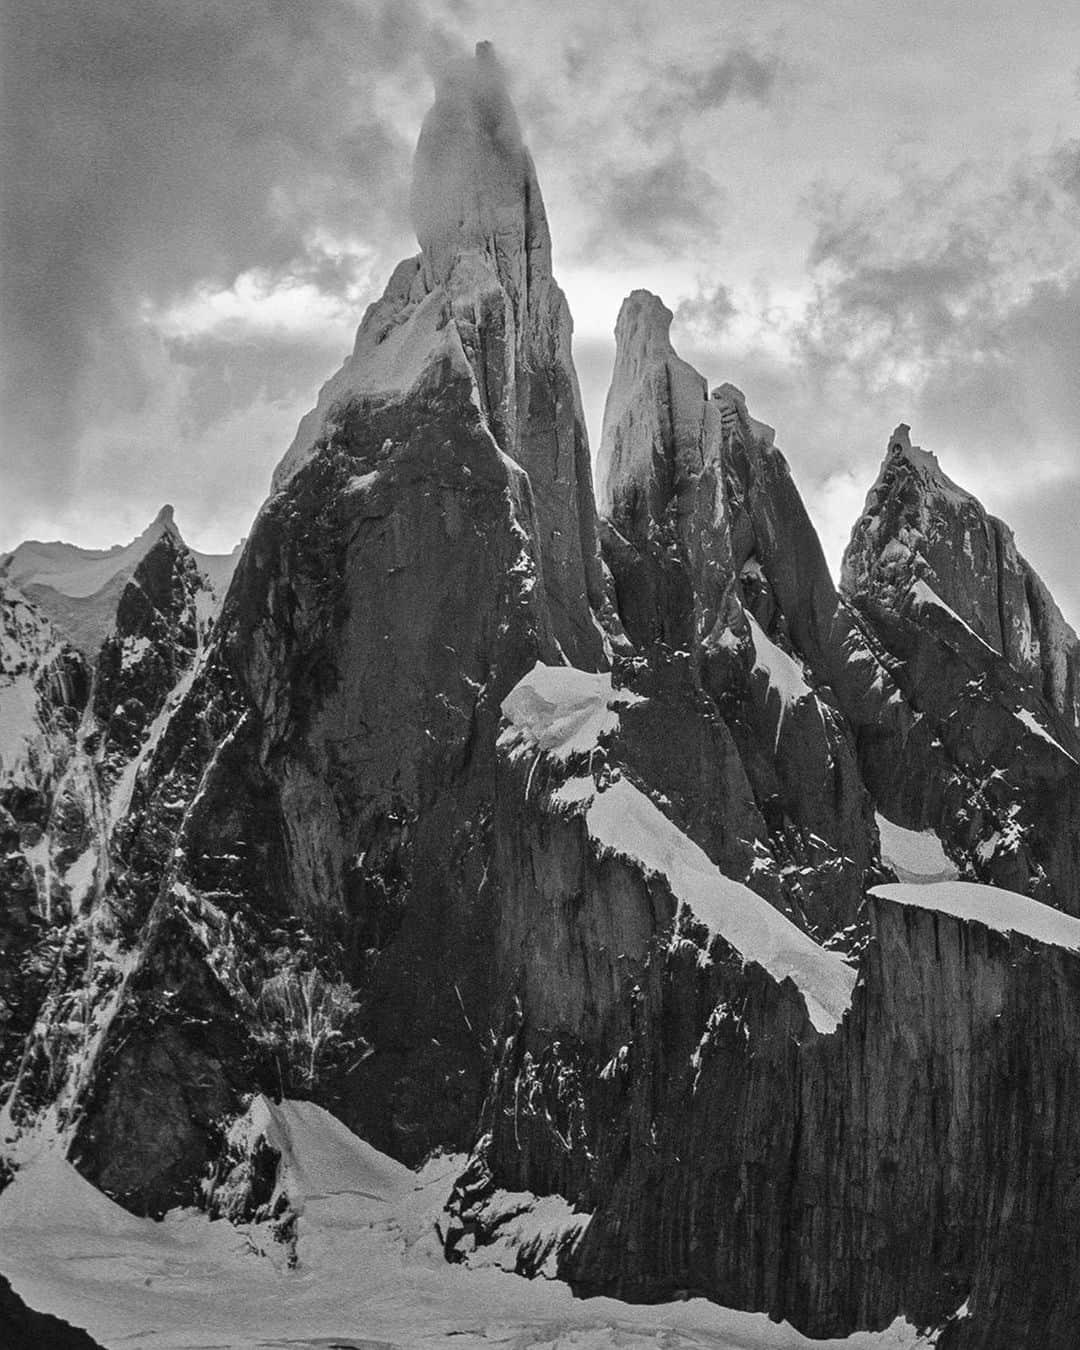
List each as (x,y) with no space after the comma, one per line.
(1003,911)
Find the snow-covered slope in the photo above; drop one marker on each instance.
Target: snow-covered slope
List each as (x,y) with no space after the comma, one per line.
(42,686)
(369,1268)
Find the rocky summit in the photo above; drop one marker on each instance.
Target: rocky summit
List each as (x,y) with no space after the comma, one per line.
(727,914)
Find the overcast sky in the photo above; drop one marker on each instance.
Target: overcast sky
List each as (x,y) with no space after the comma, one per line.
(861,213)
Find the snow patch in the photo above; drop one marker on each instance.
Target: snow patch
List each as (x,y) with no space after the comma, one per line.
(783,672)
(916,856)
(562,711)
(122,793)
(922,594)
(132,651)
(403,335)
(529,1227)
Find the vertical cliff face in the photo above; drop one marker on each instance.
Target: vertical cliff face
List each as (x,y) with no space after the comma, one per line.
(479,216)
(482,289)
(892,1164)
(753,1079)
(660,488)
(735,1109)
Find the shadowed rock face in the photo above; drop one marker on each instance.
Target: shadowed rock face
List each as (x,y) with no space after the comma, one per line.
(760,1194)
(723,1144)
(334,857)
(157,632)
(909,1160)
(309,841)
(479,216)
(481,292)
(44,686)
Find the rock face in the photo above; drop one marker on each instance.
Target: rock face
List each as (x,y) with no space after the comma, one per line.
(162,621)
(782,1144)
(77,736)
(479,839)
(44,687)
(919,526)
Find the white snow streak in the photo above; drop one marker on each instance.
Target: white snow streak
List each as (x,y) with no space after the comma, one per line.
(1029,721)
(624,821)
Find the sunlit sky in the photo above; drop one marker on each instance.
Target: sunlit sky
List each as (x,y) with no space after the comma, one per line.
(861,213)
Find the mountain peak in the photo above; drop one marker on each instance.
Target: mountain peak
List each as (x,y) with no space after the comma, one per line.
(474,186)
(656,400)
(644,322)
(925,462)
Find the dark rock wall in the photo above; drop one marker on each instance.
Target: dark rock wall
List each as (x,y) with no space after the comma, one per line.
(917,1157)
(335,829)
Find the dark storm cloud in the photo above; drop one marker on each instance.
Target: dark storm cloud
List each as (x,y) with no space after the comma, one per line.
(227,371)
(1066,164)
(675,93)
(147,147)
(921,299)
(738,74)
(665,203)
(709,312)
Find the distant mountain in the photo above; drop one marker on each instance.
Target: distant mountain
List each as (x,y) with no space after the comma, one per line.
(80,588)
